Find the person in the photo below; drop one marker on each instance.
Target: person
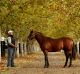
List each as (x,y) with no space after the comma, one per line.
(11,49)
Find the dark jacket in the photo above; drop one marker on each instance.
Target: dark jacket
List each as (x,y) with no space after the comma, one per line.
(12,41)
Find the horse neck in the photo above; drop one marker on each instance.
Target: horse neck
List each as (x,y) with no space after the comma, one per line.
(39,38)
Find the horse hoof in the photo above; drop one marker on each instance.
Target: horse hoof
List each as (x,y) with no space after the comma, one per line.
(64,66)
(46,66)
(69,66)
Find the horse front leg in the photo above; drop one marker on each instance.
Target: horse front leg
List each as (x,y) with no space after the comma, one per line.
(46,60)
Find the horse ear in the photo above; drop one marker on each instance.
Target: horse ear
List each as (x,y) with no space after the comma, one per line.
(31,30)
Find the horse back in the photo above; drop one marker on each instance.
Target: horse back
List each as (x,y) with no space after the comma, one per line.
(54,45)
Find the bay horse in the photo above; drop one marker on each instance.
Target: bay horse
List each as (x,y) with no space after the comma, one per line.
(48,44)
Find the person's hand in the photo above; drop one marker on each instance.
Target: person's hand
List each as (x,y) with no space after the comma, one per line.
(15,46)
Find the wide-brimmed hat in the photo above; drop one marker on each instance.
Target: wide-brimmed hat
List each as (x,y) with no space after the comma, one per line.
(10,31)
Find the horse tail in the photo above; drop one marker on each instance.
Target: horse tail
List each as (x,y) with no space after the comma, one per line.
(74,51)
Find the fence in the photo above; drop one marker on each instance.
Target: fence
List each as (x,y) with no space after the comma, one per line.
(23,48)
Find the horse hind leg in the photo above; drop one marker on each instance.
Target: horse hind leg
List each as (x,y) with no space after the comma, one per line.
(66,61)
(67,56)
(70,56)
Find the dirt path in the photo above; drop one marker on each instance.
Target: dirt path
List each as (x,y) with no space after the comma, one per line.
(33,64)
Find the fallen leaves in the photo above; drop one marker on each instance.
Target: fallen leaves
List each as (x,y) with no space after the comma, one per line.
(19,62)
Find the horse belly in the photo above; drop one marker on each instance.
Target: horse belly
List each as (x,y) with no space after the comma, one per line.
(53,47)
(57,47)
(56,50)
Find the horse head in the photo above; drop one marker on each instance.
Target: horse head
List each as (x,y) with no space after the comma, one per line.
(32,35)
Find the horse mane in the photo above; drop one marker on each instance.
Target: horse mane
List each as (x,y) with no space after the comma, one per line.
(40,34)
